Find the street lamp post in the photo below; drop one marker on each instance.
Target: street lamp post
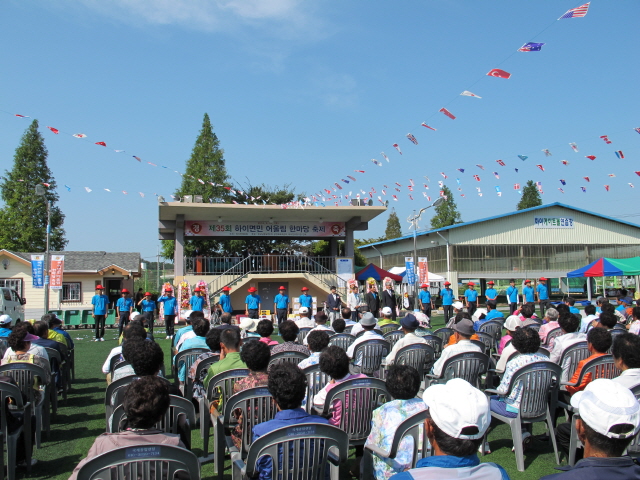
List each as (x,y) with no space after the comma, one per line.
(41,191)
(414,221)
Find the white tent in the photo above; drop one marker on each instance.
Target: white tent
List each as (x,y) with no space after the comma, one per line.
(433,278)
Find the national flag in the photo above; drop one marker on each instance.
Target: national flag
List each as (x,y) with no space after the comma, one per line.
(410,197)
(467,93)
(498,191)
(606,139)
(338,186)
(442,193)
(540,167)
(376,162)
(411,182)
(345,181)
(495,174)
(425,186)
(606,187)
(480,166)
(352,178)
(68,188)
(476,177)
(47,185)
(154,165)
(587,179)
(612,174)
(564,162)
(637,129)
(546,152)
(359,171)
(398,184)
(412,139)
(619,154)
(516,186)
(384,192)
(501,163)
(21,116)
(522,157)
(577,12)
(384,156)
(447,113)
(631,185)
(531,47)
(496,72)
(478,189)
(88,189)
(461,170)
(442,173)
(79,135)
(141,194)
(395,199)
(427,178)
(107,190)
(427,126)
(574,146)
(202,182)
(54,130)
(122,151)
(458,181)
(584,189)
(563,181)
(637,173)
(137,158)
(561,190)
(397,147)
(462,194)
(125,192)
(591,157)
(101,143)
(440,183)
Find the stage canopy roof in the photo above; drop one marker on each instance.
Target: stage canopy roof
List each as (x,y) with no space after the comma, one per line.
(377,273)
(609,267)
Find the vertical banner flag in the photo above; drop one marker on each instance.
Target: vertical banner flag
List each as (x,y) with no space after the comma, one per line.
(37,270)
(423,270)
(411,270)
(57,267)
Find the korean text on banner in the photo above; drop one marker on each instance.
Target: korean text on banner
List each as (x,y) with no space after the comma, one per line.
(37,270)
(423,270)
(231,228)
(344,270)
(410,269)
(57,267)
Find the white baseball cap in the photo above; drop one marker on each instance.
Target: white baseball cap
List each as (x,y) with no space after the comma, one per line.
(134,315)
(5,320)
(386,311)
(303,310)
(512,322)
(456,405)
(604,404)
(248,324)
(458,305)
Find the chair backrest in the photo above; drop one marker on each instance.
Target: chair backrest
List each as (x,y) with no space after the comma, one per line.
(444,333)
(114,395)
(413,427)
(493,328)
(614,333)
(202,366)
(302,334)
(540,382)
(552,334)
(179,408)
(634,446)
(348,328)
(299,451)
(389,327)
(342,340)
(4,345)
(393,337)
(370,353)
(257,406)
(221,386)
(287,357)
(186,358)
(114,361)
(418,355)
(361,332)
(24,375)
(600,367)
(573,355)
(467,365)
(9,391)
(143,461)
(55,359)
(355,400)
(435,342)
(118,365)
(316,381)
(534,327)
(482,345)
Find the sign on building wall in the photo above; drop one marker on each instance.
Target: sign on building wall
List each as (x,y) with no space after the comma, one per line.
(553,222)
(423,270)
(197,228)
(344,270)
(410,269)
(57,267)
(37,270)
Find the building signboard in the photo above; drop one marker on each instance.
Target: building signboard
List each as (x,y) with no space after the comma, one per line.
(553,222)
(197,228)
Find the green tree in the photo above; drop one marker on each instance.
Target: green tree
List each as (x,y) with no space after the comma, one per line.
(207,165)
(393,229)
(530,196)
(447,212)
(23,218)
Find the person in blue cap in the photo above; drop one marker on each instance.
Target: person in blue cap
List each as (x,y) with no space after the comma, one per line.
(471,297)
(448,296)
(512,296)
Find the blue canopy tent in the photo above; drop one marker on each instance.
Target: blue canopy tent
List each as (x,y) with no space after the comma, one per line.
(607,267)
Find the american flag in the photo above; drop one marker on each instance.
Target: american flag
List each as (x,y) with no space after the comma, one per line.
(561,190)
(412,139)
(442,173)
(500,162)
(576,12)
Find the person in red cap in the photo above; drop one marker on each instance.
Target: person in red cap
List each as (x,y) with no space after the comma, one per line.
(224,302)
(448,297)
(425,300)
(197,300)
(542,292)
(306,300)
(148,308)
(528,293)
(100,304)
(471,297)
(252,303)
(491,293)
(170,311)
(512,296)
(281,304)
(124,306)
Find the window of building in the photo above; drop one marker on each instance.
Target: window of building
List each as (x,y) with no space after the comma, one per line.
(13,284)
(71,292)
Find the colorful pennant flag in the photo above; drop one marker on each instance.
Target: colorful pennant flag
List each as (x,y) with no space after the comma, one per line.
(101,143)
(412,139)
(531,47)
(359,171)
(447,113)
(606,139)
(631,185)
(577,12)
(516,186)
(54,130)
(498,191)
(477,177)
(384,156)
(427,126)
(442,173)
(522,157)
(352,178)
(467,93)
(79,135)
(587,179)
(495,174)
(637,129)
(606,187)
(591,157)
(619,154)
(376,162)
(574,146)
(501,163)
(584,189)
(540,167)
(88,189)
(561,190)
(612,174)
(461,170)
(546,152)
(397,147)
(496,72)
(137,158)
(480,166)
(25,116)
(563,181)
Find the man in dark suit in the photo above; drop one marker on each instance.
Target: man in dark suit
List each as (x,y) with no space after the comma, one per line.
(388,299)
(334,304)
(372,299)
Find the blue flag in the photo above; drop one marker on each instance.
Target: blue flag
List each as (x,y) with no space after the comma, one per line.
(522,157)
(531,47)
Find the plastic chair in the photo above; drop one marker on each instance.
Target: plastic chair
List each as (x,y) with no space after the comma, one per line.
(57,369)
(219,389)
(599,367)
(257,407)
(482,345)
(614,333)
(316,381)
(634,447)
(342,340)
(389,327)
(393,337)
(467,365)
(186,358)
(411,427)
(570,358)
(539,386)
(435,342)
(419,356)
(552,334)
(113,395)
(493,328)
(8,390)
(286,357)
(202,367)
(534,327)
(25,375)
(300,452)
(361,332)
(444,333)
(358,399)
(142,461)
(347,329)
(4,346)
(302,334)
(370,354)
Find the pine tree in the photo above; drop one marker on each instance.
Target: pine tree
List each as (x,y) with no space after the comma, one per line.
(393,229)
(447,212)
(207,165)
(23,218)
(530,196)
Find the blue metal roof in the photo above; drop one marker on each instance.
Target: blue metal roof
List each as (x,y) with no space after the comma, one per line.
(458,225)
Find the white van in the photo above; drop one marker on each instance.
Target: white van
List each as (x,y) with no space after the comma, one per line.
(11,304)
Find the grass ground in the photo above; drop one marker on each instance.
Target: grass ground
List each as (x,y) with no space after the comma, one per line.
(82,418)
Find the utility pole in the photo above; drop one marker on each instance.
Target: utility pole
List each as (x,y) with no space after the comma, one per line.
(158,268)
(40,191)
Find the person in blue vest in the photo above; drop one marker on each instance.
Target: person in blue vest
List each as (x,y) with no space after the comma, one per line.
(448,296)
(124,306)
(281,304)
(197,300)
(471,296)
(252,303)
(170,311)
(426,302)
(491,293)
(492,313)
(542,292)
(306,300)
(528,293)
(225,300)
(148,308)
(5,326)
(100,304)
(570,302)
(512,296)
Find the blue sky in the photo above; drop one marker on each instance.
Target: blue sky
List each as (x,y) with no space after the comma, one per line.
(307,92)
